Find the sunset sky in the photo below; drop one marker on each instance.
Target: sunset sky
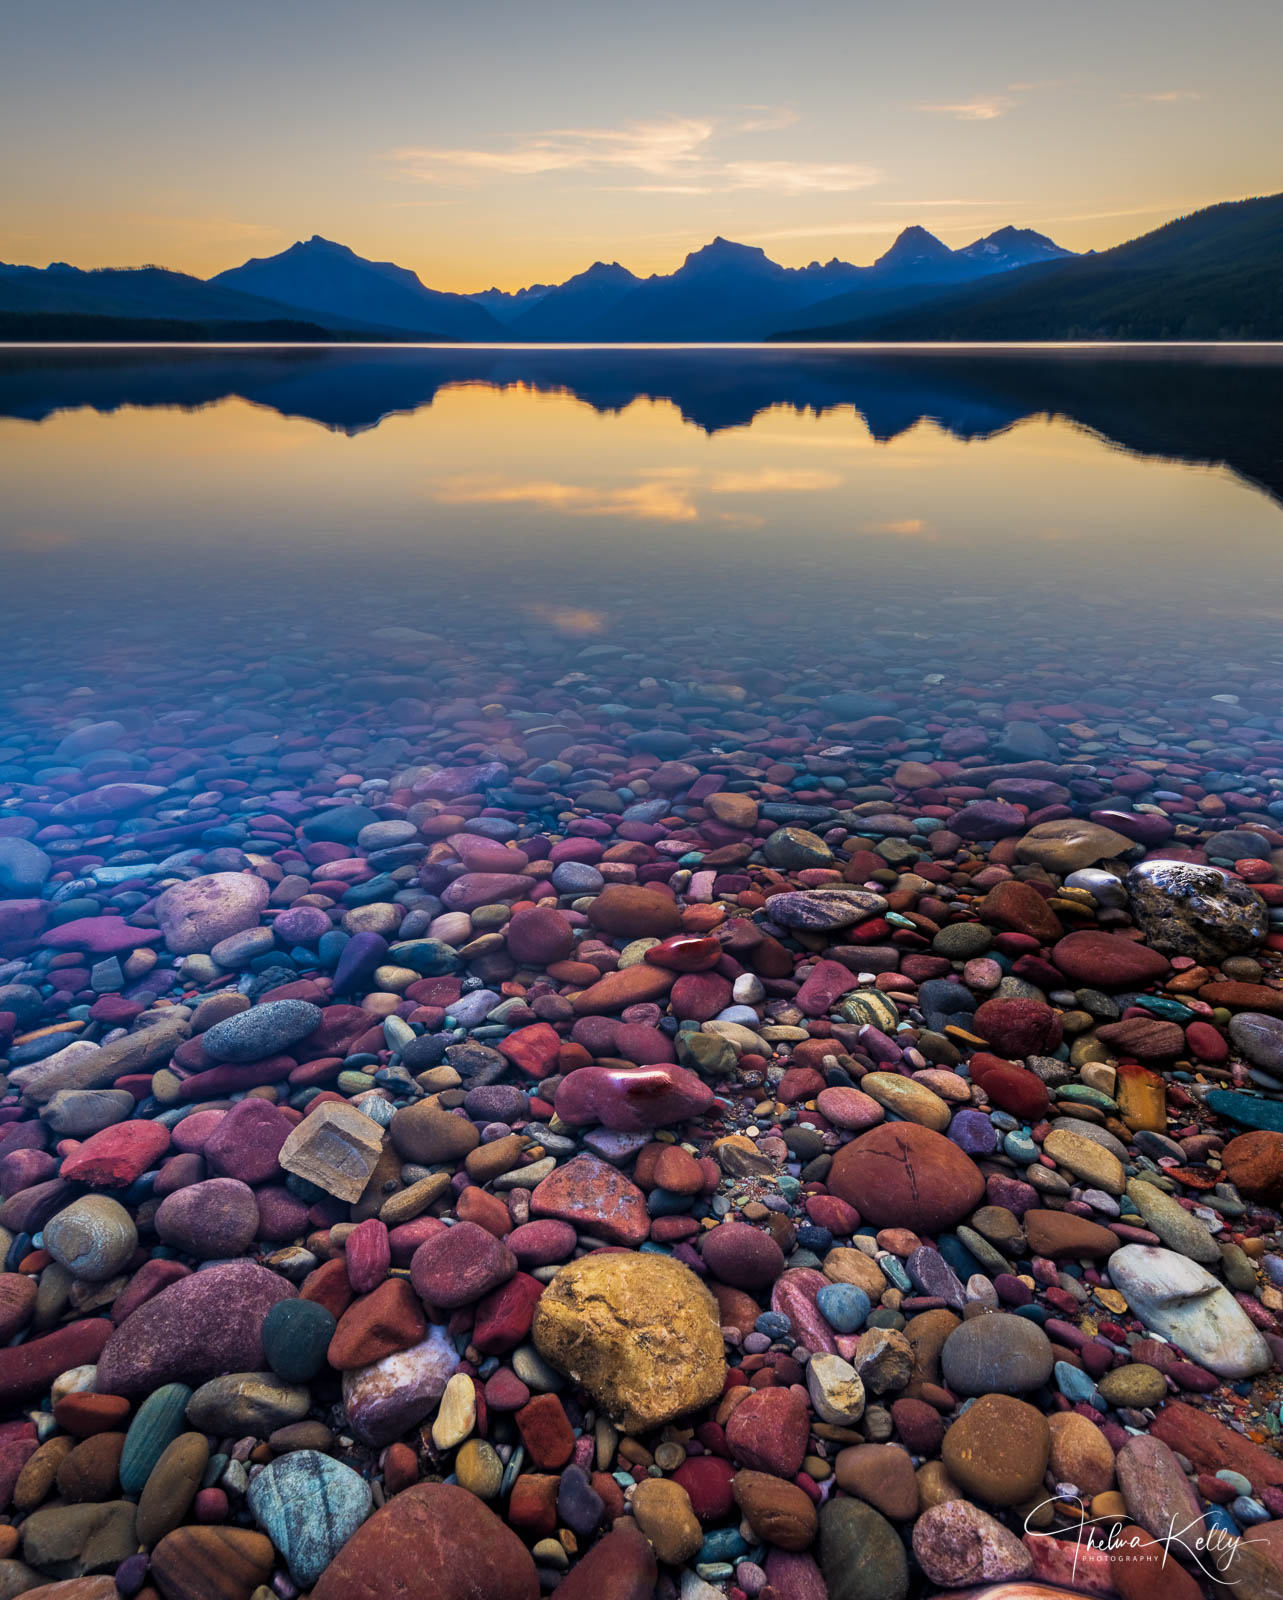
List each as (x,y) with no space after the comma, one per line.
(509,143)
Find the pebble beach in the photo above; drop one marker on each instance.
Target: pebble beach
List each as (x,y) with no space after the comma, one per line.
(767,1116)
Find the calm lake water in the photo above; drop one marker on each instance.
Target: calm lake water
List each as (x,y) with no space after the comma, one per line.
(929,509)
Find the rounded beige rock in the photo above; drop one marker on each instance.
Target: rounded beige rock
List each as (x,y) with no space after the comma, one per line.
(640,1333)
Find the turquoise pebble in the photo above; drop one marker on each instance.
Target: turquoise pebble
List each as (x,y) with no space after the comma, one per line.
(157,1423)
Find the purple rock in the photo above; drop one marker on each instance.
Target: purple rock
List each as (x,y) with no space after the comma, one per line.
(103,936)
(196,1329)
(360,956)
(632,1100)
(387,1398)
(973,1132)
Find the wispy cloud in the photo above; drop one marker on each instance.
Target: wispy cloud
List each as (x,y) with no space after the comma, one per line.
(984,108)
(673,155)
(1167,97)
(901,527)
(669,495)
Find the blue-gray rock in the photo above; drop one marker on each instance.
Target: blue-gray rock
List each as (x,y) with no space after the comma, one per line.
(309,1506)
(1247,1110)
(23,868)
(263,1030)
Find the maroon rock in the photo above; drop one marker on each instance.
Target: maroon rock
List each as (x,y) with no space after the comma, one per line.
(460,1265)
(539,1244)
(632,1100)
(1107,961)
(619,1567)
(213,1220)
(631,912)
(1146,1038)
(199,1328)
(502,1318)
(1018,1027)
(538,937)
(1009,1087)
(247,1141)
(699,996)
(742,1256)
(1017,907)
(475,889)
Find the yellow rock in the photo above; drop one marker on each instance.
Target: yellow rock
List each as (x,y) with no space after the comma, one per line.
(913,1101)
(1087,1160)
(640,1332)
(1142,1099)
(845,1265)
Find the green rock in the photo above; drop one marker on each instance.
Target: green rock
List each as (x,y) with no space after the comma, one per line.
(1176,1227)
(861,1555)
(296,1336)
(242,1403)
(1085,1095)
(960,941)
(157,1423)
(1246,1109)
(795,849)
(1136,1385)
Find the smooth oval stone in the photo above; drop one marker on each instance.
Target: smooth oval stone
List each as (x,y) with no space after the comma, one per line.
(632,1101)
(247,1402)
(296,1335)
(157,1423)
(262,1031)
(93,1238)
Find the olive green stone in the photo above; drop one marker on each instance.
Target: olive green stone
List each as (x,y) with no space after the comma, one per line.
(861,1555)
(158,1422)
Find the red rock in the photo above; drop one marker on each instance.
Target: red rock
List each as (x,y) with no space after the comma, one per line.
(1142,1568)
(685,952)
(768,1431)
(533,1049)
(1061,1233)
(1009,1087)
(1018,1027)
(1206,1043)
(590,1194)
(742,1256)
(1017,907)
(903,1175)
(1212,1447)
(460,1265)
(631,912)
(389,1318)
(538,937)
(1108,961)
(1244,997)
(707,1480)
(27,1370)
(1253,1163)
(503,1317)
(114,1157)
(632,1100)
(532,1506)
(146,1283)
(436,1542)
(329,1287)
(84,1415)
(546,1432)
(678,1171)
(619,1567)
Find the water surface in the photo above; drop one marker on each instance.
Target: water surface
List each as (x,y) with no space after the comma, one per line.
(955,505)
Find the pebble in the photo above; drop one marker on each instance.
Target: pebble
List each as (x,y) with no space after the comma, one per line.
(718,1094)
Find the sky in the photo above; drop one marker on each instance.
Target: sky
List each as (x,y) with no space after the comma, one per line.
(511,143)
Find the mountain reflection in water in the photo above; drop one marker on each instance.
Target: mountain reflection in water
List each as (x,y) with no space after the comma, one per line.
(1206,405)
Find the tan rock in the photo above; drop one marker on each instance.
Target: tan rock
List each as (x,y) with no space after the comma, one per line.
(665,1515)
(845,1265)
(909,1099)
(336,1148)
(1080,1454)
(1098,1167)
(1068,844)
(640,1332)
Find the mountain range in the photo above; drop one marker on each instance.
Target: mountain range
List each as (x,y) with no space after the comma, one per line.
(1216,273)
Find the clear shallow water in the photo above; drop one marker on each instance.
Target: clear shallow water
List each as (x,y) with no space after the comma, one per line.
(926,510)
